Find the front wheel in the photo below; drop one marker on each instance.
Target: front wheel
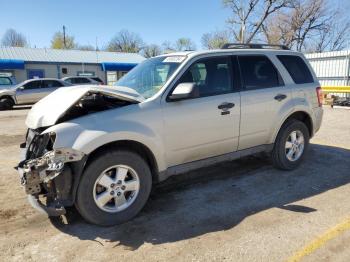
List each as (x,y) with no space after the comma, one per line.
(290,145)
(6,103)
(114,188)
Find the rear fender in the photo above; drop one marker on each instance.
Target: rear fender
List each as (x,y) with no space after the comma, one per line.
(297,105)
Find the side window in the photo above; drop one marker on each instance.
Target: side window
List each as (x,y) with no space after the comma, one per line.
(210,75)
(258,72)
(69,80)
(297,68)
(56,84)
(5,81)
(83,80)
(75,80)
(97,79)
(32,85)
(51,84)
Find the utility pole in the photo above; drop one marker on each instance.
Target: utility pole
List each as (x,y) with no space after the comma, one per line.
(64,37)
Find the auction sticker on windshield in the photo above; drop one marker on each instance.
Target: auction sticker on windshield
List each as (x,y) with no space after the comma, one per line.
(174,59)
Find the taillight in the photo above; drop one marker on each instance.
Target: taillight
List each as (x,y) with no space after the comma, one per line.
(319,96)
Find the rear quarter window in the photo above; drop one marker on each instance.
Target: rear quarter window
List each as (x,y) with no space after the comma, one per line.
(97,79)
(296,68)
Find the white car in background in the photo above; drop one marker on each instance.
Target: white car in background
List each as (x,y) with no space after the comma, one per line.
(28,92)
(83,80)
(7,81)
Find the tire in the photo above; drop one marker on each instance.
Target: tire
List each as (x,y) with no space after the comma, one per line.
(90,184)
(280,157)
(6,103)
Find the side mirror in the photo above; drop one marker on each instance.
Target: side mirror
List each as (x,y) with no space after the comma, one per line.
(20,88)
(182,91)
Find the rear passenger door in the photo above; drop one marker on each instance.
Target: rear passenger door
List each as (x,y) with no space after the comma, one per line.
(263,95)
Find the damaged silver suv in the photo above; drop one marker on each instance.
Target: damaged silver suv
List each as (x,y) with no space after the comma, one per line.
(102,148)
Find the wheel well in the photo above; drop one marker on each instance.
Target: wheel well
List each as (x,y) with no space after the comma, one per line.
(133,146)
(9,97)
(303,117)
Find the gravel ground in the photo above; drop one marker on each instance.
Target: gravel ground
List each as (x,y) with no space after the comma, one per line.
(243,210)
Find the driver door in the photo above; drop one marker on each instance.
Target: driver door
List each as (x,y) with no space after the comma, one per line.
(29,92)
(206,125)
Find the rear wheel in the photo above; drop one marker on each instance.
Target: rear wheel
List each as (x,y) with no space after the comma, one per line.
(290,145)
(6,103)
(114,188)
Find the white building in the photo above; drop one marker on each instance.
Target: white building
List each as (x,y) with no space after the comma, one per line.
(26,63)
(332,68)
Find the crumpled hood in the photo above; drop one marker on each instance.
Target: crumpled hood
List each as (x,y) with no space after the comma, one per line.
(48,110)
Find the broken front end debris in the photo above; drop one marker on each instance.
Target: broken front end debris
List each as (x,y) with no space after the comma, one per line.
(46,173)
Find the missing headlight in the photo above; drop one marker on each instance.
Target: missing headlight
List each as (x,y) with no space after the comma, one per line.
(51,142)
(40,144)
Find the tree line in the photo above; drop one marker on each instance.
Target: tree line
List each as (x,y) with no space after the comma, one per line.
(302,25)
(123,41)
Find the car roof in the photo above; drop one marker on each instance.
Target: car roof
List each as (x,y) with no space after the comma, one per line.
(39,79)
(232,51)
(77,77)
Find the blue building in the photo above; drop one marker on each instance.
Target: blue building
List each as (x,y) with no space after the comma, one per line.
(26,63)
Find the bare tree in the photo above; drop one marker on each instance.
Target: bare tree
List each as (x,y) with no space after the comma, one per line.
(334,37)
(126,41)
(215,40)
(13,38)
(168,47)
(310,25)
(184,43)
(248,17)
(151,50)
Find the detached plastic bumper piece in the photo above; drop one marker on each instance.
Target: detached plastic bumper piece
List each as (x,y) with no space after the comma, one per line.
(51,211)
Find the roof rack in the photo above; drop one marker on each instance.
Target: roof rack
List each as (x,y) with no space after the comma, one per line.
(253,46)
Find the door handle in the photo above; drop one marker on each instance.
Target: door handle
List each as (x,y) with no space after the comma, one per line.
(280,97)
(225,106)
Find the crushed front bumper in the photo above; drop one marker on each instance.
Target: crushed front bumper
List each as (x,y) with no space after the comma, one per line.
(37,176)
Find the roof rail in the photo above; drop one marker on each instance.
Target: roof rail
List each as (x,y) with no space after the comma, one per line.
(253,46)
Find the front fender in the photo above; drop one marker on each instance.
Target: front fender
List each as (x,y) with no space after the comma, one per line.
(10,94)
(75,136)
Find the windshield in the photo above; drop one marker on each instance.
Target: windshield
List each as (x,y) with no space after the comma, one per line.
(150,76)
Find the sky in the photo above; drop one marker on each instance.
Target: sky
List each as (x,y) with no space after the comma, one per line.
(155,21)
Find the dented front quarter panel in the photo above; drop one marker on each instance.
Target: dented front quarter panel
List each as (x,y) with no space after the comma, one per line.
(136,122)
